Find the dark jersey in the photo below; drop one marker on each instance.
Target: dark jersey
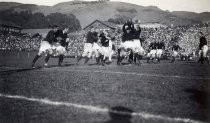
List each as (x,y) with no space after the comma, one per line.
(175,47)
(96,36)
(136,33)
(152,46)
(63,42)
(202,42)
(50,37)
(63,37)
(91,38)
(128,26)
(127,36)
(160,45)
(104,40)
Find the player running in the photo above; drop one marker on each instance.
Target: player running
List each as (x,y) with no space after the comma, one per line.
(130,42)
(139,51)
(153,51)
(45,46)
(58,46)
(61,48)
(160,48)
(91,38)
(175,50)
(203,49)
(104,38)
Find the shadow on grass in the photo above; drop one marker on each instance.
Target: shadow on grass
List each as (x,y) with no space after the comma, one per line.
(93,64)
(203,99)
(18,70)
(200,97)
(99,64)
(120,114)
(64,65)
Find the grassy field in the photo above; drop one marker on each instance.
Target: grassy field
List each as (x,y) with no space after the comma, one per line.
(150,93)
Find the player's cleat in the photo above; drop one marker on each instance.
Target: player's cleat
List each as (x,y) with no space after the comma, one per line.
(103,63)
(158,60)
(130,61)
(207,60)
(148,60)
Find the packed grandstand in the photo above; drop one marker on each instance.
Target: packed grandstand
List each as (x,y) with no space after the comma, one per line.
(186,36)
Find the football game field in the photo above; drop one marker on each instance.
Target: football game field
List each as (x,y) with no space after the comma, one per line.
(150,93)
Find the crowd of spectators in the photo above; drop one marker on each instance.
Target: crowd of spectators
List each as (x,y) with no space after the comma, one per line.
(186,36)
(75,46)
(14,42)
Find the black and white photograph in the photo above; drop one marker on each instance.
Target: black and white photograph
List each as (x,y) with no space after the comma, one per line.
(104,61)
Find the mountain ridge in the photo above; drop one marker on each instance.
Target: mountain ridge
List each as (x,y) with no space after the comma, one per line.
(87,12)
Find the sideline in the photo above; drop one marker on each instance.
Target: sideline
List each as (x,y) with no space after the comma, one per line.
(99,109)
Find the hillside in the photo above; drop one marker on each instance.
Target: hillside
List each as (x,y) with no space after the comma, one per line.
(204,17)
(87,12)
(8,5)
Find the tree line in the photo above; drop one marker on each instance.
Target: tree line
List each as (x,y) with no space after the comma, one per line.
(29,20)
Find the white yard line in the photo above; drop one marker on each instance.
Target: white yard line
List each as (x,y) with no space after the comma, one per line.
(98,109)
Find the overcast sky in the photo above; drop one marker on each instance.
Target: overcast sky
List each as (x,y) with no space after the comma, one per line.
(171,5)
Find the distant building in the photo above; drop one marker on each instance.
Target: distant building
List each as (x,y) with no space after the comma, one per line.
(104,25)
(7,27)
